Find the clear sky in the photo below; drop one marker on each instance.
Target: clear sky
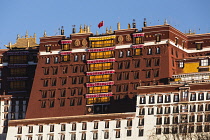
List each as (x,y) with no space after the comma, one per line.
(17,16)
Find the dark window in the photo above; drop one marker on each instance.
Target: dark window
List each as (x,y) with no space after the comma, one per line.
(79,101)
(193,97)
(148,62)
(63,127)
(176,97)
(40,128)
(43,104)
(65,70)
(199,46)
(44,93)
(141,122)
(150,111)
(75,58)
(81,80)
(63,93)
(157,50)
(201,96)
(128,53)
(19,130)
(127,64)
(137,63)
(74,80)
(129,133)
(83,136)
(136,75)
(129,123)
(160,99)
(141,111)
(166,131)
(62,102)
(120,54)
(30,129)
(75,68)
(106,135)
(72,102)
(141,132)
(84,126)
(46,71)
(158,131)
(119,76)
(167,98)
(157,62)
(45,83)
(117,134)
(54,82)
(95,135)
(52,93)
(118,124)
(55,70)
(126,75)
(73,126)
(47,60)
(51,128)
(106,124)
(80,91)
(63,81)
(147,74)
(158,37)
(56,59)
(159,121)
(149,51)
(95,125)
(120,65)
(142,100)
(52,103)
(83,57)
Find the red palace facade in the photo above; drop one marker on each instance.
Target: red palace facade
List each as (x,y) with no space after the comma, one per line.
(96,74)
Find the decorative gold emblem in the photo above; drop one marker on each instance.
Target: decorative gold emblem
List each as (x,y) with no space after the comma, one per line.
(128,38)
(77,42)
(120,39)
(89,109)
(84,42)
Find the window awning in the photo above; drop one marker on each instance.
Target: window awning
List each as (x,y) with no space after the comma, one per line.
(101,49)
(65,53)
(98,95)
(137,46)
(100,72)
(100,84)
(138,34)
(66,41)
(101,61)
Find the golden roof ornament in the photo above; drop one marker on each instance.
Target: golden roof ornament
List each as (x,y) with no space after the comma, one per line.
(97,32)
(165,22)
(26,34)
(129,26)
(45,34)
(18,36)
(118,26)
(80,29)
(110,30)
(107,31)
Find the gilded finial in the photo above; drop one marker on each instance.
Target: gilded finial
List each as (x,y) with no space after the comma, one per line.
(80,29)
(34,35)
(88,29)
(110,30)
(145,22)
(18,36)
(107,31)
(45,34)
(26,34)
(129,26)
(97,33)
(118,26)
(165,22)
(134,23)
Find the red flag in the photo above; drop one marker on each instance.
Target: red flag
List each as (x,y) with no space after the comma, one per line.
(101,24)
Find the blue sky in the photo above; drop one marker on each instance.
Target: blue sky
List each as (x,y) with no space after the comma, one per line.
(17,16)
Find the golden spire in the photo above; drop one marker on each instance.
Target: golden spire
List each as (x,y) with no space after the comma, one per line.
(110,30)
(165,22)
(34,35)
(80,29)
(26,34)
(88,29)
(45,34)
(118,26)
(107,31)
(18,36)
(129,26)
(97,32)
(28,44)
